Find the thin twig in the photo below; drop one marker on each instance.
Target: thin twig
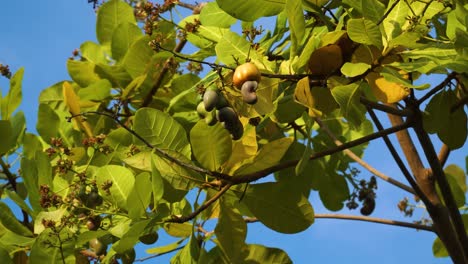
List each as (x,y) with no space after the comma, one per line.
(183,219)
(398,160)
(149,97)
(384,108)
(364,164)
(12,181)
(388,12)
(437,88)
(292,77)
(364,219)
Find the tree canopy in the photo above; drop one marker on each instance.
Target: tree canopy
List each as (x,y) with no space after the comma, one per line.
(221,119)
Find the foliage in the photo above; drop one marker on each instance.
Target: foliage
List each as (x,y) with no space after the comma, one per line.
(120,147)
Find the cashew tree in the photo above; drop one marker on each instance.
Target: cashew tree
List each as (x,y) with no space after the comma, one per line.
(196,120)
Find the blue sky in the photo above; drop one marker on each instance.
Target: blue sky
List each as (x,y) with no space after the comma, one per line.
(41,35)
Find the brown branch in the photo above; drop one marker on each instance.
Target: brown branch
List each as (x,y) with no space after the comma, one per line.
(444,152)
(262,173)
(291,77)
(183,219)
(364,219)
(388,12)
(238,179)
(12,181)
(384,108)
(364,164)
(149,97)
(425,181)
(437,88)
(444,186)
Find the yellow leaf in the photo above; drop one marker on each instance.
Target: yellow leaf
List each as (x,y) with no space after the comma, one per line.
(385,91)
(71,99)
(73,103)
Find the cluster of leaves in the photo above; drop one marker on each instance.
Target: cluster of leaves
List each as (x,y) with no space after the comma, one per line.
(123,142)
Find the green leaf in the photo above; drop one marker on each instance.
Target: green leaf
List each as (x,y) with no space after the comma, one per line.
(347,96)
(82,72)
(18,125)
(262,254)
(48,248)
(140,196)
(333,190)
(8,219)
(130,238)
(179,177)
(268,156)
(5,256)
(55,216)
(137,57)
(451,127)
(48,122)
(29,175)
(14,196)
(279,207)
(233,45)
(373,10)
(364,31)
(97,91)
(212,15)
(161,130)
(12,100)
(93,52)
(111,14)
(231,232)
(122,39)
(165,249)
(6,136)
(157,184)
(296,20)
(122,180)
(211,145)
(251,10)
(354,69)
(189,254)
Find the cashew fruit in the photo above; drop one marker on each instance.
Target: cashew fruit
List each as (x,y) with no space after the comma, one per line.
(210,99)
(245,72)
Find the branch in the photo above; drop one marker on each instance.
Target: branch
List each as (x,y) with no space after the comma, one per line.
(12,181)
(397,158)
(364,219)
(439,87)
(149,97)
(444,152)
(292,77)
(425,181)
(364,164)
(200,209)
(384,108)
(262,173)
(444,186)
(388,12)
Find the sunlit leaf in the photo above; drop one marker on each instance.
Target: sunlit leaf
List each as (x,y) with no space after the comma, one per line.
(12,100)
(111,14)
(122,180)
